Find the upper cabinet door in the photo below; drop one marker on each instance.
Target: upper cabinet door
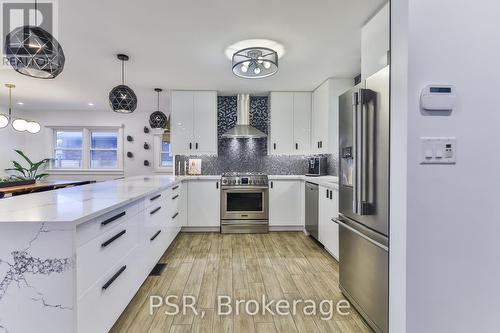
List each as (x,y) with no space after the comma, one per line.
(302,105)
(205,122)
(182,122)
(320,119)
(281,138)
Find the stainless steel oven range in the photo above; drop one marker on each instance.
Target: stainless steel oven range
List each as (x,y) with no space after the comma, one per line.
(244,203)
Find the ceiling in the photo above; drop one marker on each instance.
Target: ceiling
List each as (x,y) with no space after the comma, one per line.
(179,44)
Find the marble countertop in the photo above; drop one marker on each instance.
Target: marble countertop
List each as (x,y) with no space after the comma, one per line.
(328,181)
(81,203)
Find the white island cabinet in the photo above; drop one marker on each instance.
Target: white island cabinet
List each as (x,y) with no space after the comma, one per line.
(72,259)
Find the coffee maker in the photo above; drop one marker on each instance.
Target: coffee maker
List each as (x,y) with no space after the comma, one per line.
(316,166)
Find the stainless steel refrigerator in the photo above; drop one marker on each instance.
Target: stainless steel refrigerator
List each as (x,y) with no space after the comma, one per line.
(364,198)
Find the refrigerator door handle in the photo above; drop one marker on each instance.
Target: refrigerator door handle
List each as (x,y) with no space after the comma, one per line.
(382,246)
(365,154)
(355,181)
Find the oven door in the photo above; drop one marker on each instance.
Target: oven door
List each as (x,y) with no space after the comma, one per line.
(244,204)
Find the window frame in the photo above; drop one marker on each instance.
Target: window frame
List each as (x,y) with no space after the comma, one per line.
(157,156)
(87,148)
(54,147)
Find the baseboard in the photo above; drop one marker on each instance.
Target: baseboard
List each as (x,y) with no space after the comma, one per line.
(286,228)
(200,229)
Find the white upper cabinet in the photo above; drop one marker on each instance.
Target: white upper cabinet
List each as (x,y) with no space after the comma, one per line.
(290,123)
(325,115)
(375,43)
(302,105)
(194,122)
(281,139)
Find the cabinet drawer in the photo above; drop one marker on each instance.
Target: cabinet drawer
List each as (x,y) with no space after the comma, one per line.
(93,228)
(156,214)
(101,306)
(96,257)
(155,242)
(154,199)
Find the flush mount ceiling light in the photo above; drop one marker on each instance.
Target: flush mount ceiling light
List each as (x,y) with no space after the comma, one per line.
(34,52)
(158,119)
(255,63)
(18,124)
(122,98)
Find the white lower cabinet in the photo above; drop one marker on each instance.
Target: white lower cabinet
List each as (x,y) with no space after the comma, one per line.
(203,203)
(285,202)
(116,252)
(328,213)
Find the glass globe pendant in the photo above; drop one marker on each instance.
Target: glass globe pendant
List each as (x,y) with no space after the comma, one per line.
(18,124)
(122,98)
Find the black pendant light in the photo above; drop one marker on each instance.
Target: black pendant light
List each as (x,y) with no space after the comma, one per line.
(34,52)
(122,98)
(158,119)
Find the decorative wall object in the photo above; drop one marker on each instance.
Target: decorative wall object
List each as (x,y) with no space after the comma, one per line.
(34,52)
(130,154)
(146,145)
(130,138)
(146,163)
(122,98)
(146,129)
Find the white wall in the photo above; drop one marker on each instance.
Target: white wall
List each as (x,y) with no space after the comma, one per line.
(37,146)
(453,267)
(375,43)
(9,140)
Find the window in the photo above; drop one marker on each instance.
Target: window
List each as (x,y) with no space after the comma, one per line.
(87,148)
(164,160)
(68,149)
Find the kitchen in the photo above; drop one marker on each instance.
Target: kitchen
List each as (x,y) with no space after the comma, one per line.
(128,192)
(234,169)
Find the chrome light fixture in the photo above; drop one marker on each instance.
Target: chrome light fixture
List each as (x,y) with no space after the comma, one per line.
(158,119)
(18,124)
(255,62)
(122,98)
(34,52)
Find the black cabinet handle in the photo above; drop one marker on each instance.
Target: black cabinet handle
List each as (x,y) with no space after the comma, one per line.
(217,185)
(274,145)
(327,193)
(272,185)
(190,145)
(175,187)
(114,277)
(196,145)
(154,211)
(296,146)
(111,219)
(155,197)
(112,239)
(331,194)
(175,215)
(318,144)
(155,235)
(321,144)
(175,197)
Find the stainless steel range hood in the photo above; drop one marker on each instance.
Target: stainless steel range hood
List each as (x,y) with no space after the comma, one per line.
(243,128)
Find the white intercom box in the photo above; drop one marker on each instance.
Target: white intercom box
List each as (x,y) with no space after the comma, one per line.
(438,97)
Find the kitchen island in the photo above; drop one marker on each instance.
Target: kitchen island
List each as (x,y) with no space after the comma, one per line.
(71,259)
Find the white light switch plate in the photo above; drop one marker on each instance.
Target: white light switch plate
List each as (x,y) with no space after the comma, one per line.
(438,150)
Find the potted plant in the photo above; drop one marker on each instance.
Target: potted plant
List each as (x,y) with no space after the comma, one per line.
(27,175)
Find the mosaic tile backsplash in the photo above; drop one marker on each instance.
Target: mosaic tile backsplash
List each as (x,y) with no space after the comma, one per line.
(249,155)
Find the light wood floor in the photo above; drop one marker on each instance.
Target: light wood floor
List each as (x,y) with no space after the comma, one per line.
(279,265)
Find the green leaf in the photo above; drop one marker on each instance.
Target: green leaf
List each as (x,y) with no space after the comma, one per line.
(42,175)
(24,156)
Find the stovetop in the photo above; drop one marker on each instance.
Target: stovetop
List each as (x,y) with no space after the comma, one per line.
(244,179)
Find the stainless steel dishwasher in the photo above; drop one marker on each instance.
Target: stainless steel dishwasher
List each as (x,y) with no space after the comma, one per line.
(312,198)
